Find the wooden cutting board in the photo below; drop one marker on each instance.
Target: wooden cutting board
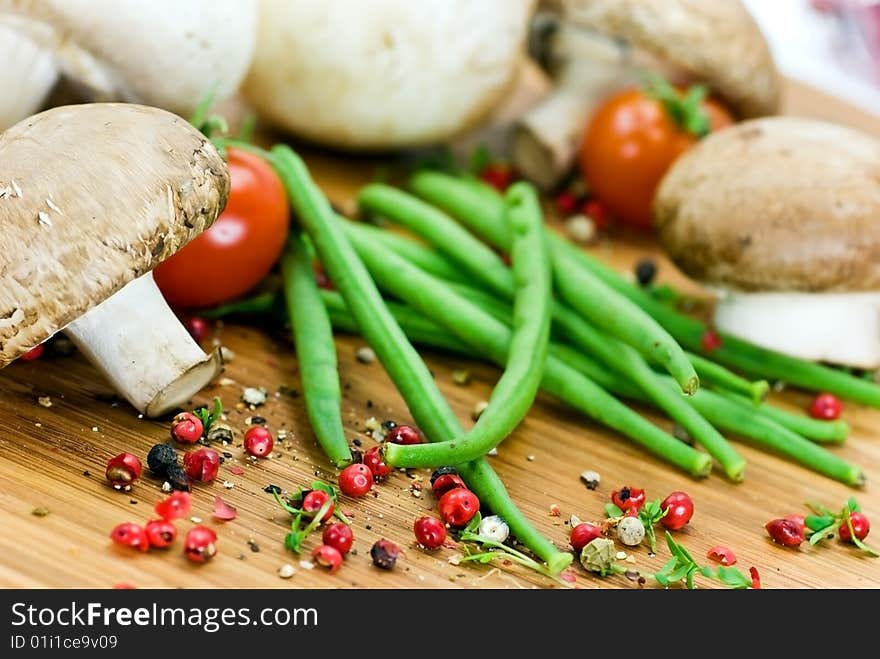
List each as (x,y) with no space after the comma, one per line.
(53,457)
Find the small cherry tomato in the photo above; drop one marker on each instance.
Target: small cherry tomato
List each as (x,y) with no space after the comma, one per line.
(130,534)
(785,532)
(404,435)
(430,532)
(628,498)
(202,465)
(238,250)
(679,509)
(356,480)
(826,406)
(314,501)
(860,524)
(186,428)
(630,142)
(160,533)
(328,557)
(338,536)
(258,441)
(375,463)
(721,554)
(458,506)
(200,544)
(123,470)
(583,534)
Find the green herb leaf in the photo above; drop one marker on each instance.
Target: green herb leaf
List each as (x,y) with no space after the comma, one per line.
(613,511)
(730,576)
(208,417)
(474,524)
(325,487)
(853,505)
(816,522)
(823,534)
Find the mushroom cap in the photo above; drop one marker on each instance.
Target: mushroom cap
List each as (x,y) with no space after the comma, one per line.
(166,53)
(776,204)
(386,73)
(91,197)
(714,41)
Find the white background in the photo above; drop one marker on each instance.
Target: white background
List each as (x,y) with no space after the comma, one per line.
(818,50)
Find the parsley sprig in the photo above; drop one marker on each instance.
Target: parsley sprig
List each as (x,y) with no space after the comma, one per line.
(480,549)
(208,416)
(682,566)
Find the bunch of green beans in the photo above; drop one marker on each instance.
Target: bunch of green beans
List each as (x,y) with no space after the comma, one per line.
(478,207)
(515,391)
(403,364)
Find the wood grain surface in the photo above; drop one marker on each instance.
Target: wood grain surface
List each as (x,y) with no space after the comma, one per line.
(53,457)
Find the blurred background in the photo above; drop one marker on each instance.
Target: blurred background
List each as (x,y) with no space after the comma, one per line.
(831,44)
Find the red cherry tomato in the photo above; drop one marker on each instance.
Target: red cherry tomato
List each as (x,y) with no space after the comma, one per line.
(239,249)
(630,143)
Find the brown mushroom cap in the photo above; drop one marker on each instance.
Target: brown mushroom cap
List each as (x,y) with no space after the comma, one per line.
(91,197)
(776,204)
(716,41)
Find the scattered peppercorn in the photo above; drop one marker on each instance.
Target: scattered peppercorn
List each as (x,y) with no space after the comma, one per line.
(178,479)
(630,531)
(202,465)
(404,435)
(826,406)
(384,554)
(123,470)
(160,458)
(219,432)
(200,544)
(646,270)
(186,428)
(258,441)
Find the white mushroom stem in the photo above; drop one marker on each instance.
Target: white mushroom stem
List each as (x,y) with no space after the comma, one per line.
(546,138)
(141,347)
(840,328)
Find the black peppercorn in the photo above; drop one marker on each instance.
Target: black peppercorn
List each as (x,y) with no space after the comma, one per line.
(388,424)
(160,458)
(384,554)
(646,270)
(178,479)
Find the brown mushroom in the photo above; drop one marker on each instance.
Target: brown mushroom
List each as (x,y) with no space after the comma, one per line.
(780,216)
(92,197)
(715,42)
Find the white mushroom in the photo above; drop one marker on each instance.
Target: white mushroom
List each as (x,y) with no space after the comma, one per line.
(386,73)
(92,197)
(164,53)
(602,45)
(780,216)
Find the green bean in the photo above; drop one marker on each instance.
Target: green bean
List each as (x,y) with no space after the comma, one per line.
(480,212)
(491,339)
(515,391)
(620,357)
(315,350)
(585,293)
(433,225)
(417,328)
(602,305)
(723,413)
(766,432)
(424,257)
(817,430)
(403,364)
(260,304)
(720,377)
